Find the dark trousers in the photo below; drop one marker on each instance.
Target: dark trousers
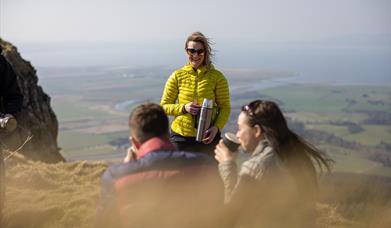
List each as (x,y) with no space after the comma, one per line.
(190,144)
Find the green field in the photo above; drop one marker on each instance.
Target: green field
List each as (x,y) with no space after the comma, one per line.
(77,143)
(323,107)
(76,140)
(85,102)
(371,135)
(316,117)
(331,98)
(350,161)
(317,106)
(75,110)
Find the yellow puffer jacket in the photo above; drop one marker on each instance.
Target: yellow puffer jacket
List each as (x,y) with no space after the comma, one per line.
(186,85)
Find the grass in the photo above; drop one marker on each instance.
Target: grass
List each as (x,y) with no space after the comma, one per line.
(55,195)
(314,105)
(330,98)
(340,131)
(349,161)
(74,110)
(319,117)
(364,200)
(88,151)
(307,99)
(76,141)
(138,89)
(67,195)
(371,135)
(317,105)
(380,171)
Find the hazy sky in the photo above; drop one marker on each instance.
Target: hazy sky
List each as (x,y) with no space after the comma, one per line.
(137,21)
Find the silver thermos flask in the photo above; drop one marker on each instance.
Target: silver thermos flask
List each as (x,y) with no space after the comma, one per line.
(205,118)
(8,122)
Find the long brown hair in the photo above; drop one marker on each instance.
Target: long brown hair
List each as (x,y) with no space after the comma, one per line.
(200,38)
(293,150)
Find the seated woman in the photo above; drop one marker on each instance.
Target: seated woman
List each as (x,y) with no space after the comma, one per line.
(276,186)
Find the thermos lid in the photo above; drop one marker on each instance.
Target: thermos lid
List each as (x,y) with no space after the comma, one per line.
(207,103)
(9,123)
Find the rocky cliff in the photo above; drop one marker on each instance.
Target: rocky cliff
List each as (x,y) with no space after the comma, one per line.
(37,118)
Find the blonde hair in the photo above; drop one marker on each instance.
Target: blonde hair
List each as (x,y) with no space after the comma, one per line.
(199,37)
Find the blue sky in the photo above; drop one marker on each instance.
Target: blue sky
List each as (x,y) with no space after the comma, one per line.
(343,39)
(146,21)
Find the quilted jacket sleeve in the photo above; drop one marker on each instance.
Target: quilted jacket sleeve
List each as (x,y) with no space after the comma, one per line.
(170,96)
(223,102)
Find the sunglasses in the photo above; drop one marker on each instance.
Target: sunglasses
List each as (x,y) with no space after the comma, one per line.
(253,119)
(247,109)
(192,51)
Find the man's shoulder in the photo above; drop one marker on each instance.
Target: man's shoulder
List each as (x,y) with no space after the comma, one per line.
(159,160)
(119,170)
(177,159)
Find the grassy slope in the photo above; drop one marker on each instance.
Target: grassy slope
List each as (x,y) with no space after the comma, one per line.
(67,194)
(56,195)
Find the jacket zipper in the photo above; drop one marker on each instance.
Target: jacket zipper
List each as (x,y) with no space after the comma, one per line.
(196,88)
(195,118)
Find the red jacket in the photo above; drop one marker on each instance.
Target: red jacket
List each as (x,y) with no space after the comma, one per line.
(161,188)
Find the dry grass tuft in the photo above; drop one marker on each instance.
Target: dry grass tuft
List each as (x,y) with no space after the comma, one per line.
(66,195)
(51,195)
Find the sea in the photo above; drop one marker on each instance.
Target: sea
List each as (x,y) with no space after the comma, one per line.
(345,65)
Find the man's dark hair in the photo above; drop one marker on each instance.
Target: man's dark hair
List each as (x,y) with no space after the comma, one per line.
(147,121)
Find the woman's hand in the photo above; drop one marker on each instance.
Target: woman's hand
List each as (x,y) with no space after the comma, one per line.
(192,108)
(222,153)
(210,134)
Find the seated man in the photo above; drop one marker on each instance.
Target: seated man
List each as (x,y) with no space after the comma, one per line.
(158,186)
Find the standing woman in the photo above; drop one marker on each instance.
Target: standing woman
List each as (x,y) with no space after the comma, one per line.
(185,91)
(276,186)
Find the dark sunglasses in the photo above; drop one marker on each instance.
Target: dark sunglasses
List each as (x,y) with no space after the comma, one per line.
(192,51)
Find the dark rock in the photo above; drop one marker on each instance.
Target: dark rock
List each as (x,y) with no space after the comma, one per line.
(37,117)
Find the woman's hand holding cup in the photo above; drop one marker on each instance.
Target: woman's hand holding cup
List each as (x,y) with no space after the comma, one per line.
(225,150)
(231,141)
